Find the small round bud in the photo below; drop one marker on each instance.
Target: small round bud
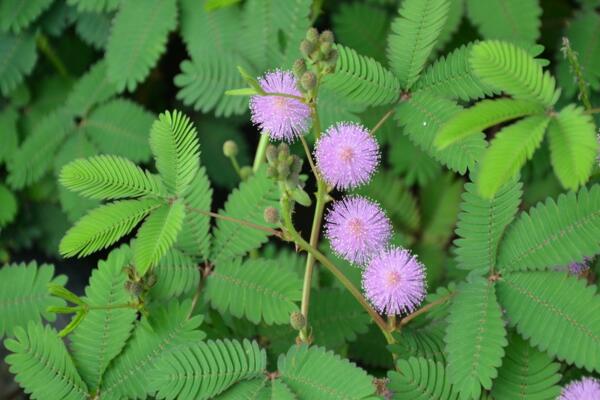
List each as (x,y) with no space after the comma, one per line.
(271,215)
(299,67)
(271,153)
(284,151)
(312,35)
(326,37)
(246,172)
(297,166)
(283,170)
(308,81)
(326,49)
(230,148)
(306,48)
(151,280)
(332,57)
(297,320)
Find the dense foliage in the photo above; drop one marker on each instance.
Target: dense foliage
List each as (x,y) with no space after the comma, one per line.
(413,214)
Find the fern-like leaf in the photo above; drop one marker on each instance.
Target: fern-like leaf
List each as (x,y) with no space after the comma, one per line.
(8,133)
(137,39)
(102,334)
(120,127)
(92,88)
(506,67)
(105,225)
(424,342)
(362,80)
(18,59)
(259,388)
(203,370)
(554,233)
(109,177)
(421,379)
(452,77)
(481,224)
(526,374)
(413,37)
(508,152)
(167,329)
(247,203)
(8,206)
(176,274)
(174,142)
(95,5)
(558,313)
(483,115)
(423,115)
(42,365)
(573,146)
(412,163)
(475,337)
(258,289)
(516,21)
(93,28)
(24,294)
(16,15)
(314,373)
(157,235)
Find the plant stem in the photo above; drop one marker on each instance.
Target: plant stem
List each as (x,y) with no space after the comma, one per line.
(266,229)
(44,45)
(592,111)
(309,156)
(289,96)
(425,309)
(385,117)
(259,157)
(112,306)
(236,166)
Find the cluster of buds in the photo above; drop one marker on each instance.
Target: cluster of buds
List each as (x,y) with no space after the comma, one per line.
(286,168)
(319,58)
(137,285)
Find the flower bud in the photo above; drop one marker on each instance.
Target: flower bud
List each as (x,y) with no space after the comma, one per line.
(283,170)
(271,153)
(284,151)
(299,67)
(151,280)
(230,148)
(312,35)
(308,81)
(297,166)
(306,48)
(271,215)
(246,172)
(326,49)
(326,37)
(297,320)
(271,171)
(134,288)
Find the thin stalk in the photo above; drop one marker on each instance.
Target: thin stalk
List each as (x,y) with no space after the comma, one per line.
(266,229)
(309,156)
(425,309)
(385,117)
(259,157)
(44,45)
(289,96)
(592,111)
(112,306)
(236,166)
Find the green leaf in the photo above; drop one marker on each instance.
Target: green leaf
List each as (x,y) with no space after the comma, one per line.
(508,68)
(211,5)
(314,373)
(120,127)
(105,225)
(440,202)
(517,21)
(526,374)
(8,206)
(424,342)
(421,379)
(481,116)
(259,388)
(42,365)
(36,154)
(92,88)
(508,152)
(19,58)
(452,77)
(257,289)
(17,15)
(137,39)
(291,19)
(413,37)
(361,79)
(8,133)
(174,142)
(102,334)
(481,224)
(157,235)
(423,115)
(475,338)
(109,177)
(94,28)
(219,363)
(559,314)
(409,161)
(554,233)
(24,294)
(167,329)
(247,203)
(241,92)
(176,274)
(573,146)
(95,5)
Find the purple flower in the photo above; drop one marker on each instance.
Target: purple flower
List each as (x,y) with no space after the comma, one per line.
(283,118)
(357,229)
(347,155)
(394,282)
(584,389)
(577,268)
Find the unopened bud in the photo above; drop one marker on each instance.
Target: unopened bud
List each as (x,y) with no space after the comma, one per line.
(297,320)
(271,215)
(306,48)
(271,171)
(297,166)
(326,37)
(271,153)
(299,67)
(283,170)
(246,172)
(312,35)
(308,80)
(284,151)
(134,288)
(326,49)
(151,280)
(230,148)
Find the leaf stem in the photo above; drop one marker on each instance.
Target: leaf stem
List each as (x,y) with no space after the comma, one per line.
(380,123)
(289,96)
(266,229)
(592,111)
(425,309)
(309,156)
(259,157)
(44,45)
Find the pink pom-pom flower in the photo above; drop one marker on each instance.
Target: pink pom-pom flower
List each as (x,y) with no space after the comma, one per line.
(347,156)
(584,389)
(282,118)
(394,281)
(357,228)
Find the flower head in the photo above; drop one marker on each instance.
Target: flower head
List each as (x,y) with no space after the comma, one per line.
(584,389)
(347,155)
(394,281)
(282,117)
(577,268)
(357,228)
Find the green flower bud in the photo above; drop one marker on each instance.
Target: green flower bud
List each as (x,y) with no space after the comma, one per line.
(272,171)
(230,148)
(326,37)
(332,57)
(306,48)
(246,172)
(271,153)
(297,320)
(283,171)
(271,215)
(284,151)
(326,49)
(151,280)
(312,35)
(134,288)
(297,166)
(308,81)
(299,67)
